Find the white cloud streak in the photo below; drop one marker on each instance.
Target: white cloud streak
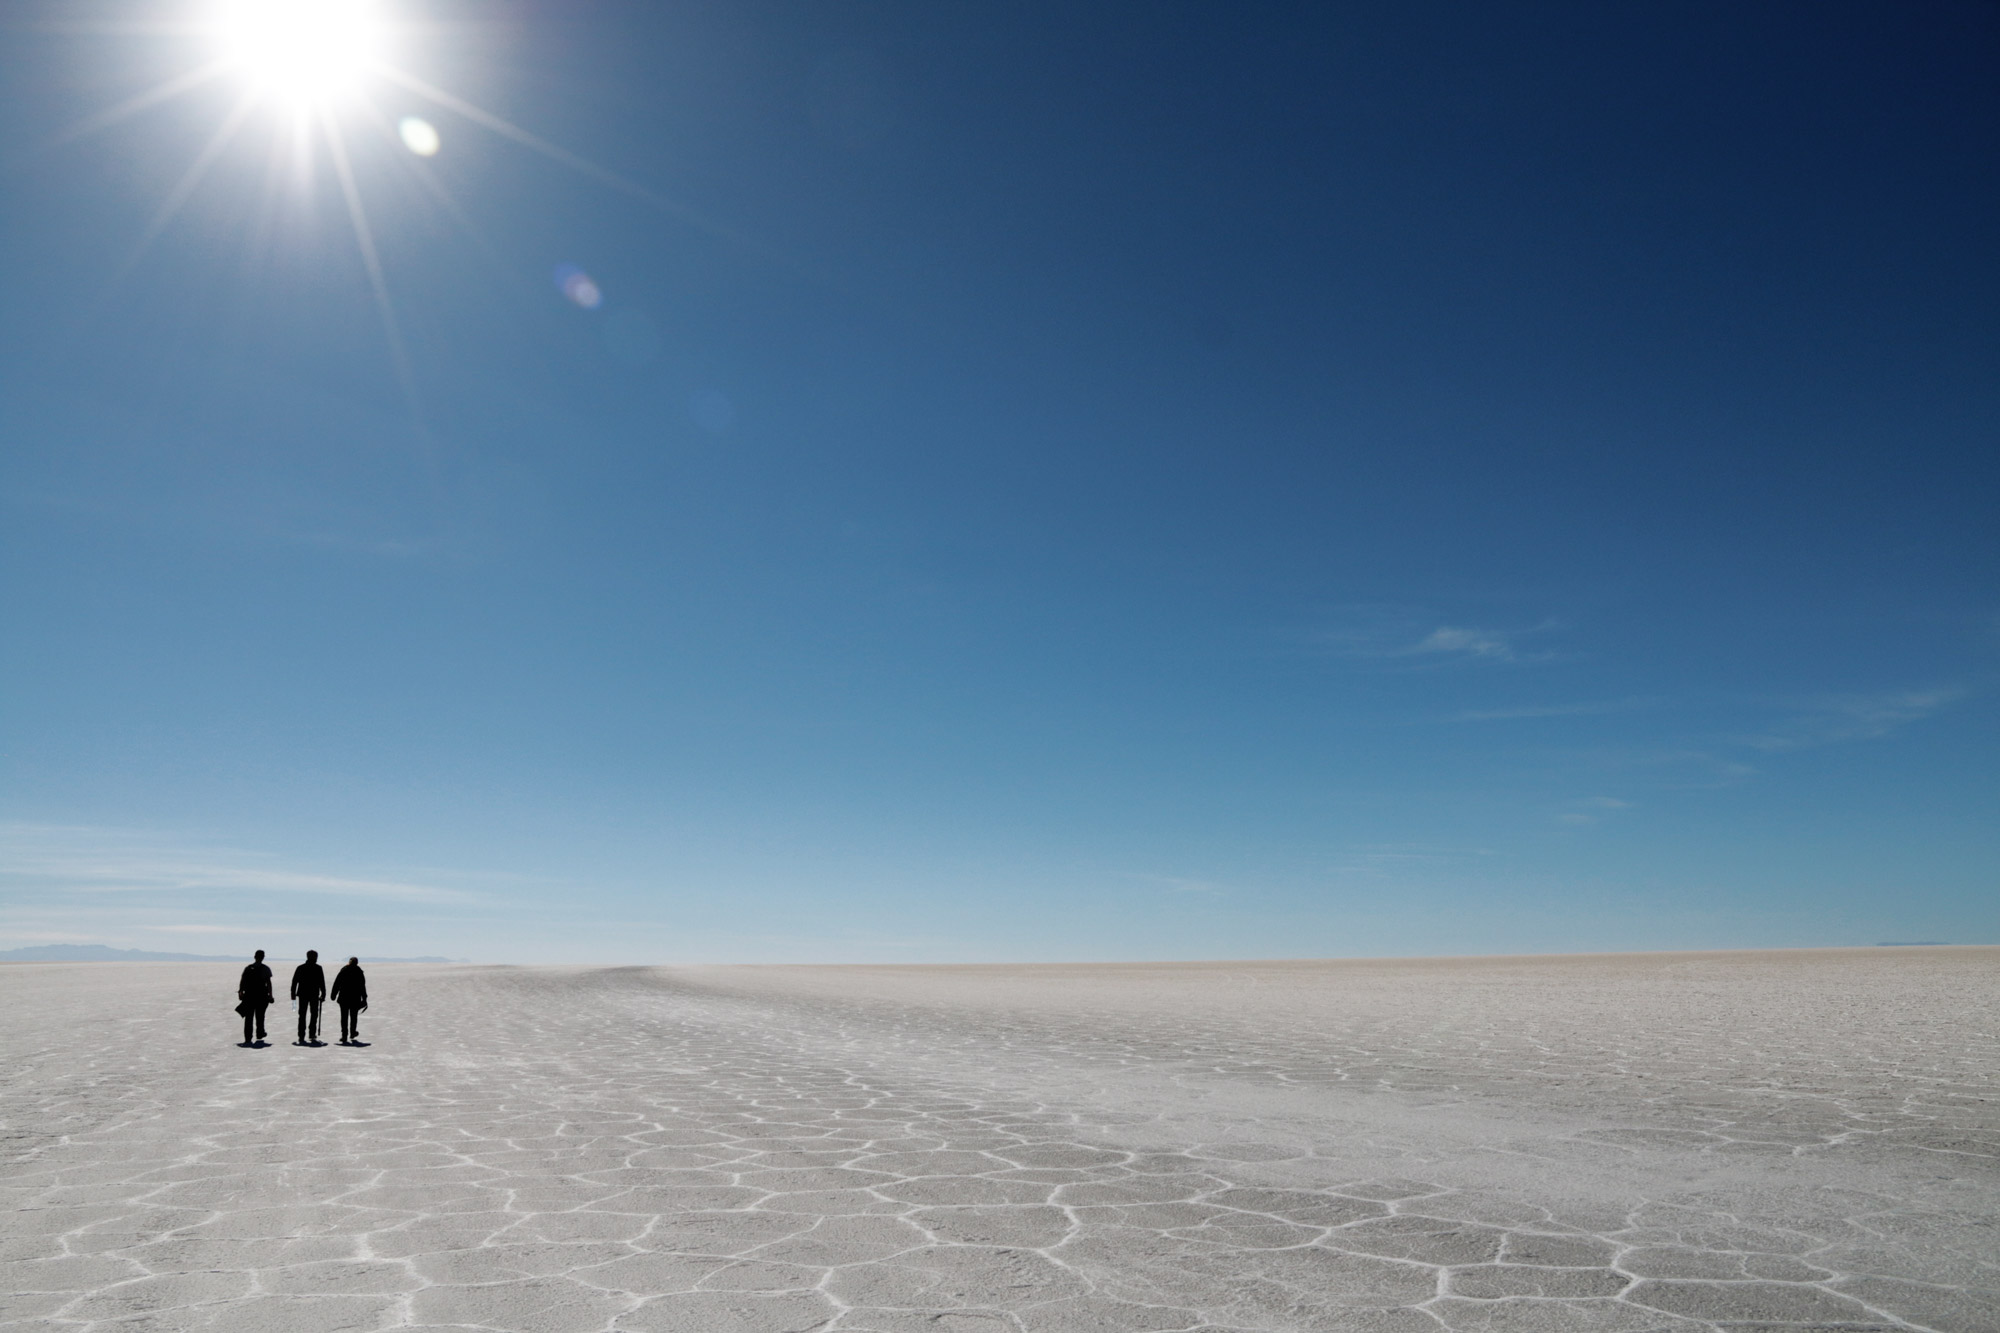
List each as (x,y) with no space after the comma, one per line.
(1415,637)
(98,860)
(1456,639)
(1177,883)
(1532,711)
(1591,810)
(1853,717)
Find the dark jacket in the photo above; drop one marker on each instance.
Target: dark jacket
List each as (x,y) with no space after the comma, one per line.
(350,988)
(255,987)
(308,982)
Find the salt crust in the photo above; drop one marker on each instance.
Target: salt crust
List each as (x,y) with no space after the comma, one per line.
(1801,1140)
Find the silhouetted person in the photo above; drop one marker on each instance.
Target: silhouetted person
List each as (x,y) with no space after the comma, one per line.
(253,997)
(350,992)
(308,989)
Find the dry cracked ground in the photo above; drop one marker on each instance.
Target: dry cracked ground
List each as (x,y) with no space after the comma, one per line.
(1799,1140)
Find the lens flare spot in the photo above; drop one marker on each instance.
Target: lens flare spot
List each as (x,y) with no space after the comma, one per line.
(419,136)
(578,286)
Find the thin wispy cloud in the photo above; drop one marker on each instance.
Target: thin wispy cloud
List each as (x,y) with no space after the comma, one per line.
(99,860)
(1177,883)
(1415,637)
(14,936)
(1397,861)
(1532,711)
(1680,768)
(1458,639)
(1723,759)
(1853,717)
(1591,810)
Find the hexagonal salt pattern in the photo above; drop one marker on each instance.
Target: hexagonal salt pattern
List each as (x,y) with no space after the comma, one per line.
(1801,1141)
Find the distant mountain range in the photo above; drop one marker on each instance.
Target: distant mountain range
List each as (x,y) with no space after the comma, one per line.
(100,953)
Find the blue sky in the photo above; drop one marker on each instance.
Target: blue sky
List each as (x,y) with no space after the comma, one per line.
(1035,482)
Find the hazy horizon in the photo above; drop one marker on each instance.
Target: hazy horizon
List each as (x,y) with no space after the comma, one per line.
(614,958)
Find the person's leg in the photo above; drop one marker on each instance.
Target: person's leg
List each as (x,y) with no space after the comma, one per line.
(347,1022)
(258,1009)
(249,1023)
(312,1030)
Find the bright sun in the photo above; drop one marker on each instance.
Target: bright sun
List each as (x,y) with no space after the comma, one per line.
(322,60)
(303,50)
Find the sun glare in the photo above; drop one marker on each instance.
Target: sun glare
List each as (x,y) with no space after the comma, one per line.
(333,70)
(303,50)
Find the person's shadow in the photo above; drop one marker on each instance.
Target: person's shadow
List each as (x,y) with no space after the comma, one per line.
(314,1042)
(257,1045)
(355,1043)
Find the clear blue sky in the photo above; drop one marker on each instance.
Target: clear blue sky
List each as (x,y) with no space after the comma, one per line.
(1039,481)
